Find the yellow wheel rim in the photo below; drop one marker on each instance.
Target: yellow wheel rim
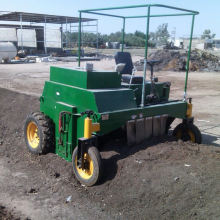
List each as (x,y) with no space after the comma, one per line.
(32,135)
(179,134)
(86,173)
(193,138)
(189,132)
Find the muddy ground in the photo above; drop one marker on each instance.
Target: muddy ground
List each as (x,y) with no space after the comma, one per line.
(161,178)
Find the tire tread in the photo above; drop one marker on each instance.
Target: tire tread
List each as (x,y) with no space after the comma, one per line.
(45,126)
(92,151)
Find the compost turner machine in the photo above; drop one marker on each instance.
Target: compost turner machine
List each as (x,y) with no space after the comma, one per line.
(80,105)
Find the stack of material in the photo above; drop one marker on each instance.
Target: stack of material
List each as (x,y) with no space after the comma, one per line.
(176,61)
(199,61)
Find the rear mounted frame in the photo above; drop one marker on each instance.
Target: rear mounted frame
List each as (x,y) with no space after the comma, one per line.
(185,12)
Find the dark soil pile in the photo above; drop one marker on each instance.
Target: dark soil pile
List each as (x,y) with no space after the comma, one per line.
(162,178)
(176,61)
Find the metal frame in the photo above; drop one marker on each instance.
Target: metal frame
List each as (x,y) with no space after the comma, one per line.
(35,18)
(148,15)
(83,31)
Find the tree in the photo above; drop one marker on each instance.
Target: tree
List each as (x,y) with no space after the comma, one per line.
(162,33)
(136,39)
(152,36)
(207,34)
(140,34)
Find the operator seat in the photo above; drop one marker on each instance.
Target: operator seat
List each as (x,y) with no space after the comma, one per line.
(125,57)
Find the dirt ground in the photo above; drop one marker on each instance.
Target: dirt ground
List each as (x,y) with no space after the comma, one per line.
(161,178)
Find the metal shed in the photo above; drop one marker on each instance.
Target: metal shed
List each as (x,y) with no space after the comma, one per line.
(44,37)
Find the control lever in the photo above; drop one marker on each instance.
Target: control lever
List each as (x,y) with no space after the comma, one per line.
(88,112)
(152,97)
(190,100)
(134,70)
(134,93)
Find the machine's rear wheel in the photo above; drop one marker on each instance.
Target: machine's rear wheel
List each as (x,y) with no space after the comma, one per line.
(192,133)
(94,168)
(38,133)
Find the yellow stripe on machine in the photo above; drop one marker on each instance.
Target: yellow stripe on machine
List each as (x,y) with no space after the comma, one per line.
(90,127)
(189,110)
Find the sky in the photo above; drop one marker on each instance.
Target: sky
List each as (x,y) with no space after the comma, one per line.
(208,17)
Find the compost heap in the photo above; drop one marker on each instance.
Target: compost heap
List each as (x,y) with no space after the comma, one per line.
(176,61)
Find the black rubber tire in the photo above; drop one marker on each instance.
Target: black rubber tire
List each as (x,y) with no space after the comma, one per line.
(45,133)
(192,128)
(97,166)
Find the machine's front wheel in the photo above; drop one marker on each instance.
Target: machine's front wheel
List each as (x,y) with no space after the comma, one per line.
(192,133)
(93,166)
(38,133)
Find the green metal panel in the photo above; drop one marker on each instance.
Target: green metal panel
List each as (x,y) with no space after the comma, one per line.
(99,79)
(56,92)
(68,135)
(101,100)
(68,76)
(73,125)
(78,77)
(113,100)
(119,118)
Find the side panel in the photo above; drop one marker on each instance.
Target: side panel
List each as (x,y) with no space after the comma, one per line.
(101,80)
(115,100)
(55,92)
(67,137)
(117,119)
(80,78)
(56,98)
(68,76)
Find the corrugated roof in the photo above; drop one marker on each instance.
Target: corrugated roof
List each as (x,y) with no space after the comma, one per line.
(40,18)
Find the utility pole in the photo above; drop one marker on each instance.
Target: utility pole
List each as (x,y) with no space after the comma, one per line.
(173,35)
